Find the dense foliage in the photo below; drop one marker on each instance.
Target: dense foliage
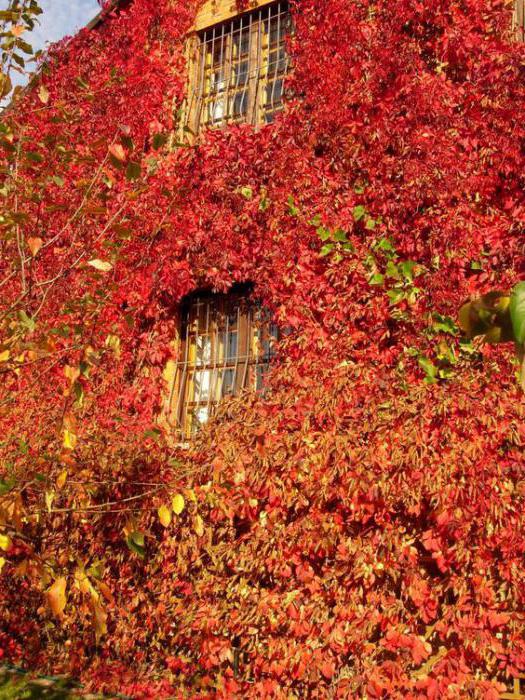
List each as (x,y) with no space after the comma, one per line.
(359,529)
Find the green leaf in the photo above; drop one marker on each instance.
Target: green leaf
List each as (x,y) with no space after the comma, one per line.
(5,487)
(517,312)
(376,280)
(5,85)
(408,269)
(444,324)
(385,245)
(429,368)
(292,209)
(340,235)
(151,434)
(396,296)
(326,250)
(247,192)
(26,321)
(392,271)
(359,212)
(34,157)
(24,46)
(133,170)
(135,542)
(159,140)
(323,233)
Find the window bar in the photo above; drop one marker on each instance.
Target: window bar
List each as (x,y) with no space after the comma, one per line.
(202,70)
(207,361)
(203,363)
(224,348)
(258,65)
(236,365)
(247,343)
(229,69)
(239,60)
(208,85)
(277,51)
(214,348)
(183,372)
(222,83)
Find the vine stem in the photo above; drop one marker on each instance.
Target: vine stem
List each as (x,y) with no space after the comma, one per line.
(520,353)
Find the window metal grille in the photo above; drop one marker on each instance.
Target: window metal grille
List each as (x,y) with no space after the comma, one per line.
(226,344)
(240,69)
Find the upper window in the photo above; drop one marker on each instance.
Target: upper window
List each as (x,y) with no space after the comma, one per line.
(226,344)
(239,69)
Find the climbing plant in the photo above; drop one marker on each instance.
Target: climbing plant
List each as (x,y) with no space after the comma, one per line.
(357,529)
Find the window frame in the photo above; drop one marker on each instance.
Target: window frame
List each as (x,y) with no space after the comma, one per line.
(256,336)
(262,72)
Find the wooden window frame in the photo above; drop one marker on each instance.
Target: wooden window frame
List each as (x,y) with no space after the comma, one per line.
(204,315)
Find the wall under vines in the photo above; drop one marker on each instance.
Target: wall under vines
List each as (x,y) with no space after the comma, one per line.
(358,530)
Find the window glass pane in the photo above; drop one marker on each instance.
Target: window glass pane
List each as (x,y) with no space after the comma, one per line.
(240,74)
(240,104)
(203,350)
(277,61)
(202,383)
(274,92)
(200,417)
(241,40)
(216,111)
(231,346)
(228,382)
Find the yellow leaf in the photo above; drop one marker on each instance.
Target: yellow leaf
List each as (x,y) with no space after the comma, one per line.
(113,342)
(177,504)
(49,498)
(34,245)
(101,265)
(198,526)
(43,94)
(61,479)
(4,356)
(190,495)
(164,515)
(56,597)
(70,439)
(117,152)
(2,563)
(5,542)
(72,373)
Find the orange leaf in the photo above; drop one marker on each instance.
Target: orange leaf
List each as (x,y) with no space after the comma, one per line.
(56,597)
(34,245)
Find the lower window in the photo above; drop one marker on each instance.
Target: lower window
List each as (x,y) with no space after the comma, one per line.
(226,344)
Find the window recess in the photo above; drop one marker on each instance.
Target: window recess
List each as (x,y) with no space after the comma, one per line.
(226,344)
(238,69)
